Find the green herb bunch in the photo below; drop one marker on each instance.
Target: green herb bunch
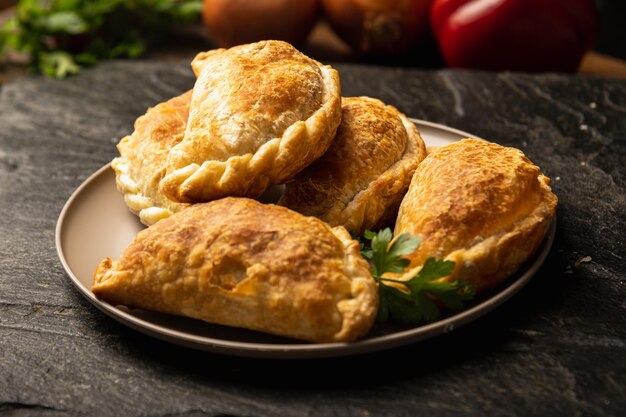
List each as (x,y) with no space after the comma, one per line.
(413,300)
(61,36)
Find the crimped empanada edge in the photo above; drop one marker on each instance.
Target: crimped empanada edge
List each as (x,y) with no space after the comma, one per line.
(140,205)
(359,312)
(505,251)
(387,187)
(306,137)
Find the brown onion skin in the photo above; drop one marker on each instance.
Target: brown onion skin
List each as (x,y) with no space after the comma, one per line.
(380,28)
(236,22)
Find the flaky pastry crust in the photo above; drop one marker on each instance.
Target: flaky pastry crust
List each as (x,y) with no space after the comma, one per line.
(143,155)
(259,114)
(360,181)
(242,263)
(484,206)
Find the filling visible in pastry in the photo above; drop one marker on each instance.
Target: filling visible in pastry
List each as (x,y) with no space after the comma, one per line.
(242,263)
(360,181)
(143,156)
(259,114)
(484,206)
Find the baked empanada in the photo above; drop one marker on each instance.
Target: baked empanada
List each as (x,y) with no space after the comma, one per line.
(484,206)
(242,263)
(360,181)
(143,155)
(259,114)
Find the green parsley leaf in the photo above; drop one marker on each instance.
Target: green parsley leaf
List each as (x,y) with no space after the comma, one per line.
(367,253)
(68,22)
(60,36)
(369,235)
(58,64)
(386,258)
(403,245)
(414,300)
(433,269)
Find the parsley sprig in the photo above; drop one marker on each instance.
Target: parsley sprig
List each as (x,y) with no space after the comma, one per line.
(413,300)
(61,36)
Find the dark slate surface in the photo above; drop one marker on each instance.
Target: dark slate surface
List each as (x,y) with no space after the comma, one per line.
(557,347)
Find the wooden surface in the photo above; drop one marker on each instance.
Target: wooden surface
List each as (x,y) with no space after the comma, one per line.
(599,64)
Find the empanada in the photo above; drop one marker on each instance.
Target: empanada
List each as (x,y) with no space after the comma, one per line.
(143,155)
(242,263)
(479,204)
(259,114)
(360,181)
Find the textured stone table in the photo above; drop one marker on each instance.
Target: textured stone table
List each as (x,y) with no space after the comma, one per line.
(557,347)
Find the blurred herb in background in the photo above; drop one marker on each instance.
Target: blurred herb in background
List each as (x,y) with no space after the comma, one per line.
(61,36)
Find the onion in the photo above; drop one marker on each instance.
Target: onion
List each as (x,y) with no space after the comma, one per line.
(235,22)
(380,27)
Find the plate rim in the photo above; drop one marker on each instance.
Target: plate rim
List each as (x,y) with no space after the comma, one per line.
(304,350)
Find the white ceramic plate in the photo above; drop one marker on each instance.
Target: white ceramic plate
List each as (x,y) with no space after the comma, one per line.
(95,224)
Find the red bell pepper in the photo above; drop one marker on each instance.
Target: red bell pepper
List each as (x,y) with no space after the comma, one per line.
(516,35)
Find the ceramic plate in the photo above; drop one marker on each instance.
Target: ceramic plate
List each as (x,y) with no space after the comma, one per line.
(95,224)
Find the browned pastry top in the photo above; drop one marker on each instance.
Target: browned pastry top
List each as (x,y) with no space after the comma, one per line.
(259,114)
(250,94)
(482,205)
(360,181)
(143,156)
(238,262)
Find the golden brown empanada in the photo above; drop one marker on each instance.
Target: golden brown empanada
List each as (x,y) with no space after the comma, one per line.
(360,181)
(242,263)
(143,155)
(479,204)
(259,114)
